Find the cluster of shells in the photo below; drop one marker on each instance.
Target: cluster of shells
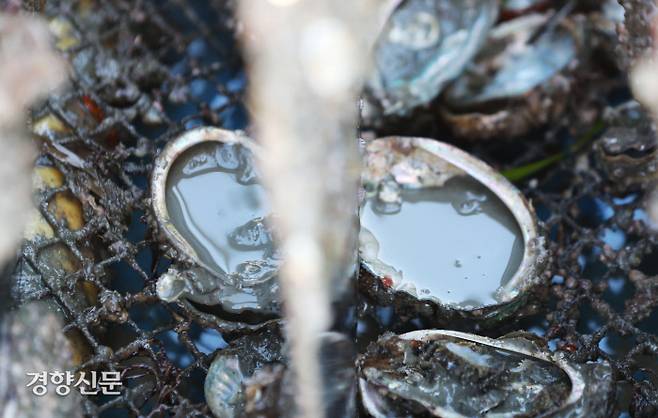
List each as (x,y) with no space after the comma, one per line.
(487,69)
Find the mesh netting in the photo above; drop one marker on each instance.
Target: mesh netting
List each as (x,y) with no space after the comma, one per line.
(144,72)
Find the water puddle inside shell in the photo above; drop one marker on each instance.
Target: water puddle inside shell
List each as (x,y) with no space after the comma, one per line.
(216,204)
(458,243)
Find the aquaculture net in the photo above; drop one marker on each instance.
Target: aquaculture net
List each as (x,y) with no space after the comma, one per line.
(144,71)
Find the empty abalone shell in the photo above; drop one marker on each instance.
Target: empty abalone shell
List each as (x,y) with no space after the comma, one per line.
(454,374)
(232,367)
(424,45)
(211,208)
(515,84)
(251,378)
(443,235)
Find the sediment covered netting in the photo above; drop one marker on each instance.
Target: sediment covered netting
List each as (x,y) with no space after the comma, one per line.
(145,71)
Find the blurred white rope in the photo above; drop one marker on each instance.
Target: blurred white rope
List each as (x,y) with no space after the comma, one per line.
(307,60)
(29,70)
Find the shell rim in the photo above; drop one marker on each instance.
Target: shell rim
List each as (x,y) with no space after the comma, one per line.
(534,249)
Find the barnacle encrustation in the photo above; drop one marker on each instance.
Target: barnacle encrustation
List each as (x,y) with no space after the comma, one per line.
(626,151)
